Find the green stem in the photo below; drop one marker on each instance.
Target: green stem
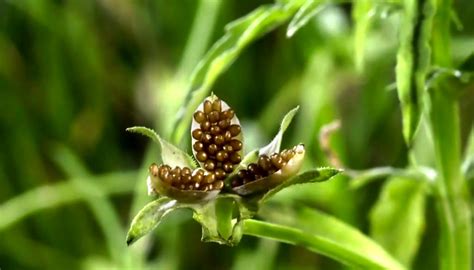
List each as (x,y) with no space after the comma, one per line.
(315,243)
(452,191)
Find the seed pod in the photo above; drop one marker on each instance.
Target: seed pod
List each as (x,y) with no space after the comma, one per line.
(184,188)
(220,131)
(252,180)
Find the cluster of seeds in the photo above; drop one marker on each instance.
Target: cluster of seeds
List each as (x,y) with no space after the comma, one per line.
(265,166)
(215,140)
(186,179)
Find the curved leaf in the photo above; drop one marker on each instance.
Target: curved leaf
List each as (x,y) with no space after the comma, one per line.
(304,14)
(170,154)
(274,145)
(239,34)
(149,217)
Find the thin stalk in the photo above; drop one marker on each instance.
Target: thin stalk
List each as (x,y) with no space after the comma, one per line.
(453,197)
(315,243)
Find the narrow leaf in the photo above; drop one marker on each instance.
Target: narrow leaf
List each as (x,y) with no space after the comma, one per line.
(399,214)
(304,14)
(149,217)
(170,154)
(274,145)
(363,19)
(239,34)
(413,59)
(322,234)
(311,176)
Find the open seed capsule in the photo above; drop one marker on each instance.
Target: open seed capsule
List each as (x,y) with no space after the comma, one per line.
(266,174)
(216,137)
(183,184)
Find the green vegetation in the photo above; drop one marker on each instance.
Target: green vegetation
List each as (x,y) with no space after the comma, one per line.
(384,89)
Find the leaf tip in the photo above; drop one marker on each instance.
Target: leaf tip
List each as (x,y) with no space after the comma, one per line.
(130,240)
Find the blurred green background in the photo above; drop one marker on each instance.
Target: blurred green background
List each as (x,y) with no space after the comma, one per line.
(74,74)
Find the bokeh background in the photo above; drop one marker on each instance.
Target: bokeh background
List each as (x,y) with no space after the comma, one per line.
(74,74)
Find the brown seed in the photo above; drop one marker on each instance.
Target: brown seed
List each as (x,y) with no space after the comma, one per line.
(220,174)
(162,170)
(206,138)
(199,116)
(198,175)
(205,126)
(207,106)
(154,169)
(224,123)
(257,176)
(186,178)
(253,168)
(201,156)
(222,155)
(218,185)
(176,177)
(197,185)
(198,146)
(236,144)
(276,160)
(176,170)
(212,149)
(228,167)
(197,134)
(209,178)
(219,139)
(228,148)
(205,187)
(218,164)
(213,117)
(235,158)
(236,182)
(234,130)
(227,136)
(168,178)
(185,171)
(264,162)
(190,187)
(216,105)
(215,130)
(242,174)
(209,165)
(228,114)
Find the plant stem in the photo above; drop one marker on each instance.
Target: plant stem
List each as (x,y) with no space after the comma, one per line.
(453,197)
(314,243)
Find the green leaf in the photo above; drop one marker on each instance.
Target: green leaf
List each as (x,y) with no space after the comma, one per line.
(362,178)
(274,145)
(239,34)
(468,164)
(311,176)
(170,154)
(149,217)
(304,14)
(413,60)
(399,214)
(323,234)
(363,18)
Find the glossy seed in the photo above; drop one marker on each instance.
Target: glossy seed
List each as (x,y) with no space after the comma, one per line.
(224,123)
(264,162)
(236,144)
(219,139)
(185,171)
(176,170)
(216,105)
(209,178)
(215,130)
(228,136)
(168,178)
(218,185)
(236,182)
(213,117)
(198,146)
(190,187)
(235,158)
(242,174)
(201,156)
(222,155)
(228,167)
(253,168)
(197,185)
(199,116)
(207,106)
(205,126)
(176,177)
(220,174)
(228,148)
(209,165)
(154,170)
(276,160)
(234,130)
(197,134)
(206,138)
(212,149)
(162,170)
(228,114)
(186,178)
